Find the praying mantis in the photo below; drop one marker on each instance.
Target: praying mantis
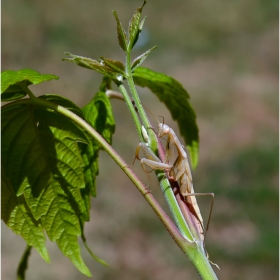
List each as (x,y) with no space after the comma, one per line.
(177,167)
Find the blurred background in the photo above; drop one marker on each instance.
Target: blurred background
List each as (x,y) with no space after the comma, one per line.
(225,53)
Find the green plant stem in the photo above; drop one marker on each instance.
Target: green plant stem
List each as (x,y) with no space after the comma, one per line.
(166,188)
(173,206)
(132,111)
(29,92)
(167,191)
(138,103)
(198,258)
(165,185)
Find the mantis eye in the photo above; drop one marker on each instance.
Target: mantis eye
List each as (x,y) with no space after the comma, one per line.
(160,129)
(165,129)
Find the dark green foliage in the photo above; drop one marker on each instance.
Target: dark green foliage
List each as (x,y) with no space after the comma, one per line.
(14,83)
(176,99)
(98,113)
(41,159)
(23,263)
(49,166)
(62,101)
(17,215)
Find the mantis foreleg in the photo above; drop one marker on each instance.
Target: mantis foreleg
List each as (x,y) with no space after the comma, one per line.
(150,159)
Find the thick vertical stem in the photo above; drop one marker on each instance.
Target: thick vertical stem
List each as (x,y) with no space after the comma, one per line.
(132,111)
(138,103)
(174,207)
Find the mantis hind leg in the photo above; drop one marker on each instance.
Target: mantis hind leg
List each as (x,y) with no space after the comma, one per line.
(211,208)
(208,222)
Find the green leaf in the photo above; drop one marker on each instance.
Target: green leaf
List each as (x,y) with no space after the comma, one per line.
(121,33)
(41,159)
(23,263)
(93,65)
(69,246)
(90,159)
(18,217)
(175,97)
(140,59)
(105,84)
(142,23)
(115,65)
(14,83)
(133,27)
(91,151)
(91,253)
(98,113)
(62,101)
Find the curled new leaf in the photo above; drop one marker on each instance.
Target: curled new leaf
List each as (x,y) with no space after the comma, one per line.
(134,27)
(142,23)
(94,65)
(88,63)
(140,59)
(114,65)
(121,33)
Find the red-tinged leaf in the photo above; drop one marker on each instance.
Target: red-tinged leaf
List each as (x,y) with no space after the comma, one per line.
(121,33)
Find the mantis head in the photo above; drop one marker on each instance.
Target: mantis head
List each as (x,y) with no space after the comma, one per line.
(163,129)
